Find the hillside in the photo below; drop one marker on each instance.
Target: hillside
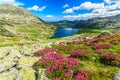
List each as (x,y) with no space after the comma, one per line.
(17,22)
(91,59)
(100,22)
(64,23)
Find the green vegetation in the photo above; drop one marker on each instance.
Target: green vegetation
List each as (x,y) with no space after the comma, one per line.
(99,57)
(22,27)
(64,23)
(86,30)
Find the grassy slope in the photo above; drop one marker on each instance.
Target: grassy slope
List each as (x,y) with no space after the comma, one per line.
(23,34)
(21,27)
(92,60)
(96,69)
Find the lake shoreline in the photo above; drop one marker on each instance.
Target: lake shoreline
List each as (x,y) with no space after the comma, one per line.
(64,32)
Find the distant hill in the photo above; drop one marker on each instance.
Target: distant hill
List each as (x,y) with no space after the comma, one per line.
(64,23)
(100,22)
(17,21)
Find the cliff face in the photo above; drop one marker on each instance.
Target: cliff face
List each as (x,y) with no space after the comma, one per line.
(107,22)
(17,21)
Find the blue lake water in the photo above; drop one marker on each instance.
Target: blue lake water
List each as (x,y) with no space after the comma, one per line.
(63,32)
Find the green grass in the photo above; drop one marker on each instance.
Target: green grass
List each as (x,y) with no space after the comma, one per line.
(89,31)
(92,61)
(29,30)
(98,71)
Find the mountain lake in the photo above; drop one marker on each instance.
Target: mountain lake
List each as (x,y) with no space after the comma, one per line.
(64,32)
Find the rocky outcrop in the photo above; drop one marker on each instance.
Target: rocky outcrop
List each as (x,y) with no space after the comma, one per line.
(26,73)
(117,76)
(16,62)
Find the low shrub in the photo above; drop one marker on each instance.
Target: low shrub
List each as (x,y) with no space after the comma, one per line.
(111,59)
(44,52)
(78,53)
(102,46)
(59,67)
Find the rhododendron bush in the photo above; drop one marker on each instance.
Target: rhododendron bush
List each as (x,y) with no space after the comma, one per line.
(101,46)
(78,53)
(60,67)
(92,59)
(111,59)
(44,52)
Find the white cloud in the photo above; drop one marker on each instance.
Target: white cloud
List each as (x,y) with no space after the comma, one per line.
(42,8)
(107,10)
(91,15)
(111,1)
(65,6)
(89,6)
(107,1)
(13,2)
(73,16)
(49,16)
(85,5)
(68,11)
(37,8)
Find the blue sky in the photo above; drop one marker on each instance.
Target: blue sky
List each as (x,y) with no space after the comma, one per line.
(55,10)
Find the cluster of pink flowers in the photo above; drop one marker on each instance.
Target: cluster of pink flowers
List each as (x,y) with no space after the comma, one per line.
(48,60)
(74,42)
(44,52)
(96,40)
(79,76)
(78,53)
(102,46)
(63,68)
(99,51)
(82,76)
(89,41)
(111,59)
(60,67)
(61,47)
(115,41)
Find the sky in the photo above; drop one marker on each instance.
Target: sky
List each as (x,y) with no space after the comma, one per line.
(55,10)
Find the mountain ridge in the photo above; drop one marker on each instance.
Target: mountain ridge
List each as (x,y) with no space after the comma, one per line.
(64,23)
(100,22)
(20,22)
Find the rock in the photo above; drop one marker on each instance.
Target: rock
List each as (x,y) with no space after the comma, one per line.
(117,76)
(3,52)
(10,59)
(6,64)
(26,73)
(104,33)
(26,61)
(14,55)
(16,63)
(26,51)
(9,75)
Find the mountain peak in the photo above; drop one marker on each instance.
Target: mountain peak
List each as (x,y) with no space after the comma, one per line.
(13,10)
